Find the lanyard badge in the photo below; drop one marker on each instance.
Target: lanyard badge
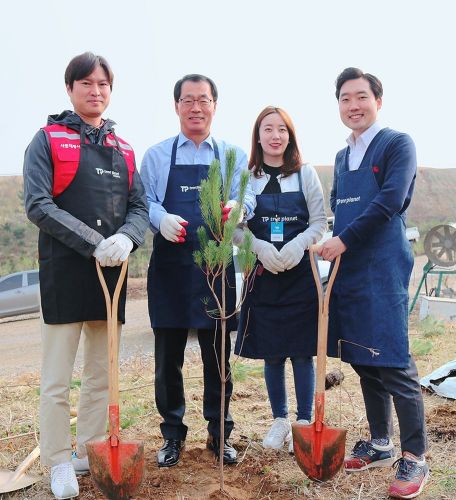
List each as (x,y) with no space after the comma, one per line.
(276,231)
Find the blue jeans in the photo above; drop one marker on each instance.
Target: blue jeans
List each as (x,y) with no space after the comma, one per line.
(304,380)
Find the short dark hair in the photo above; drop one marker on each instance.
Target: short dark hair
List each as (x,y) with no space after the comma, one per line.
(83,65)
(194,77)
(355,73)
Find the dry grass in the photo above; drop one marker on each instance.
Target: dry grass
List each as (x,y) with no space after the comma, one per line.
(261,474)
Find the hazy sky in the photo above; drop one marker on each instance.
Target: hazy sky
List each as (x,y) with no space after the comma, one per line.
(259,52)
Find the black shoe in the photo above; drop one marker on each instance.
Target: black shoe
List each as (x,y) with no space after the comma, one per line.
(229,453)
(168,454)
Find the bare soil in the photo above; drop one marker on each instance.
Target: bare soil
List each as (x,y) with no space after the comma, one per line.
(260,474)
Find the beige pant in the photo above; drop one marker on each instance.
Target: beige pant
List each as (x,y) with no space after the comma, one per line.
(59,347)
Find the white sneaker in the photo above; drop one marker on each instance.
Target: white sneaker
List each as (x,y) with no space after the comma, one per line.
(278,435)
(290,444)
(63,481)
(80,465)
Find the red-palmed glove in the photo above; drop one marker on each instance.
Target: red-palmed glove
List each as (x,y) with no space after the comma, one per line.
(226,210)
(172,228)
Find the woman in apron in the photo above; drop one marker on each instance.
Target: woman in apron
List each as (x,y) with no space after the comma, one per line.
(279,316)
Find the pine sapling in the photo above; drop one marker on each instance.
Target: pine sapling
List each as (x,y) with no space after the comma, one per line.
(216,255)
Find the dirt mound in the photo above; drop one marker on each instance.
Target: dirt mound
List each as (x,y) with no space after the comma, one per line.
(441,422)
(197,476)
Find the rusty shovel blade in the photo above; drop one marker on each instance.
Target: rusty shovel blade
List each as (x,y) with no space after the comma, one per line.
(319,449)
(117,470)
(10,481)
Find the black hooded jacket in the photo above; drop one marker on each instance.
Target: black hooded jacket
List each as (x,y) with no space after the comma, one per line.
(44,213)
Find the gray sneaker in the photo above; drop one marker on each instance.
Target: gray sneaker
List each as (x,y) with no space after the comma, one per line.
(63,481)
(278,435)
(366,455)
(80,465)
(290,444)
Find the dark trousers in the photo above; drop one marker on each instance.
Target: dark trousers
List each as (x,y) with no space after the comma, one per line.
(379,384)
(169,386)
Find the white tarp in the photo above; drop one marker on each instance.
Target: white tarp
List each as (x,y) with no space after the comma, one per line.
(442,381)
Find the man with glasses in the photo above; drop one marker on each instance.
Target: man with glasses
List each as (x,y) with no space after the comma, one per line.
(172,171)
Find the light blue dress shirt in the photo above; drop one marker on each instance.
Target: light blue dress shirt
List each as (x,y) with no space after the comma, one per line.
(155,171)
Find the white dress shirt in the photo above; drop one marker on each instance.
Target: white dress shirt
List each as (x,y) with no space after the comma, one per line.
(359,146)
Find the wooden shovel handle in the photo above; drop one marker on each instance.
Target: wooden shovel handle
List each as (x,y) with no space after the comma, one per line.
(113,342)
(25,465)
(323,310)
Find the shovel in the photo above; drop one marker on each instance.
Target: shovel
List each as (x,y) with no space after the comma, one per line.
(319,449)
(18,479)
(117,467)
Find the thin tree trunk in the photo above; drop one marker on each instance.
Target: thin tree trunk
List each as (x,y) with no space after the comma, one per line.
(223,383)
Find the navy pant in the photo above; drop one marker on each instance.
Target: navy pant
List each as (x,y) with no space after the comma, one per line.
(304,380)
(169,386)
(379,384)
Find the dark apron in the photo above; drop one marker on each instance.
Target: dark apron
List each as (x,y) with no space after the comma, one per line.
(280,314)
(369,303)
(177,287)
(69,285)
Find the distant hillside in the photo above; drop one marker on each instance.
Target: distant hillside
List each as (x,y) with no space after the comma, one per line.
(434,202)
(19,237)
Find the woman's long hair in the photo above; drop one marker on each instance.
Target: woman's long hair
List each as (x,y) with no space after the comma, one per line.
(291,157)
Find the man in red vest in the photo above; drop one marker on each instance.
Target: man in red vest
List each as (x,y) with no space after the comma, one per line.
(84,193)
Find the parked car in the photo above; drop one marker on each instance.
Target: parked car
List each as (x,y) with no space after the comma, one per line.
(412,233)
(19,293)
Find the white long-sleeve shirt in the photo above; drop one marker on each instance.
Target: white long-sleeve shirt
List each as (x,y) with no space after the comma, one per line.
(313,193)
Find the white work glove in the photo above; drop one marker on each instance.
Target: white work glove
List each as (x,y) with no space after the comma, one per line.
(268,255)
(292,253)
(101,252)
(119,249)
(172,228)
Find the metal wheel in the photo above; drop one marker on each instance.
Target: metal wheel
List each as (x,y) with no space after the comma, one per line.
(440,245)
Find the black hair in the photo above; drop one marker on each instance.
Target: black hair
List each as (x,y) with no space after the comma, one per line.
(83,65)
(355,73)
(194,77)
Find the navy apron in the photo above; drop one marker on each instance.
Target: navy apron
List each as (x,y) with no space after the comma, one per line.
(69,285)
(177,287)
(369,301)
(279,317)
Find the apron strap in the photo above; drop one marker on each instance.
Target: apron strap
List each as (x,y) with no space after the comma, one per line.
(117,142)
(174,150)
(300,179)
(216,150)
(82,133)
(84,139)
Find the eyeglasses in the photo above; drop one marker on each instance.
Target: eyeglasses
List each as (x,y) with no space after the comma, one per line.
(188,102)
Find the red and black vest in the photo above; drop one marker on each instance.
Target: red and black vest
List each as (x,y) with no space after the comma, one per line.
(66,149)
